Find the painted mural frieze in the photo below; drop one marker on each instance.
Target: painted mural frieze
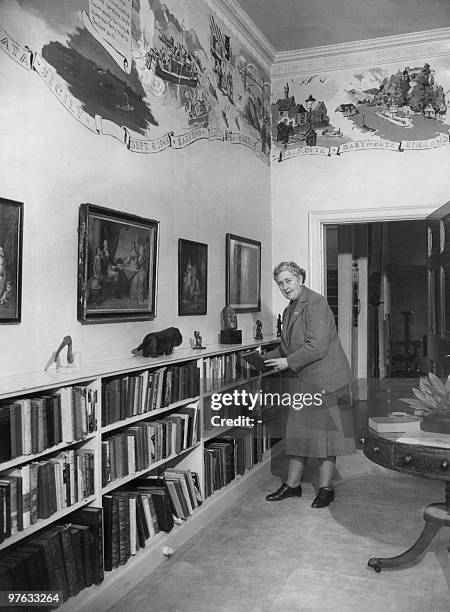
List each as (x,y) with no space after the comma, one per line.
(397,109)
(153,75)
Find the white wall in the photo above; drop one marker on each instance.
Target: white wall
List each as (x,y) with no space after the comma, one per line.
(366,179)
(53,164)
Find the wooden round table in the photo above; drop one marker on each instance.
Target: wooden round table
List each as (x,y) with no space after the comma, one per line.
(422,454)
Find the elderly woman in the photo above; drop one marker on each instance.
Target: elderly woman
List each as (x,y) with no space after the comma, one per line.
(320,424)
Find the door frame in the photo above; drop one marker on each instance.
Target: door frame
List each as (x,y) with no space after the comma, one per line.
(318,219)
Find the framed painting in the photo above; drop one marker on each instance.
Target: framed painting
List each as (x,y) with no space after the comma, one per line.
(117,266)
(243,273)
(11,230)
(192,277)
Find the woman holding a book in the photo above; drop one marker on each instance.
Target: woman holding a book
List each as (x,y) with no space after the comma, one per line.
(313,364)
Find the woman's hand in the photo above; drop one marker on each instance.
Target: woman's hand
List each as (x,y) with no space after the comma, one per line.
(280,363)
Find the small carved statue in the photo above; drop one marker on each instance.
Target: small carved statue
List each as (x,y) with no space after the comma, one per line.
(259,332)
(198,341)
(229,318)
(279,326)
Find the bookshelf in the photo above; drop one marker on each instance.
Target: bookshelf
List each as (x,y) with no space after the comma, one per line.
(140,416)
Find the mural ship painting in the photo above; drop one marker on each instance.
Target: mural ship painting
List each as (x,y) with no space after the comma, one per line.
(220,46)
(172,62)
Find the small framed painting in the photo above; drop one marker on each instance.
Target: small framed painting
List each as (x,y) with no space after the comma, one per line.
(243,273)
(192,277)
(117,266)
(11,230)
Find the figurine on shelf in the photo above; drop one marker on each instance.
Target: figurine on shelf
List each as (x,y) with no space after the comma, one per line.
(70,360)
(259,332)
(198,341)
(279,326)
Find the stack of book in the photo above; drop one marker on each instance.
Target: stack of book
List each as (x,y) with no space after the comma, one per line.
(227,457)
(129,396)
(223,369)
(135,514)
(31,425)
(395,423)
(41,488)
(184,491)
(138,447)
(64,558)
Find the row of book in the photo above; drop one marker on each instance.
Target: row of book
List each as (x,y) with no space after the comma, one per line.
(138,447)
(40,488)
(31,425)
(65,557)
(223,369)
(137,513)
(129,396)
(236,451)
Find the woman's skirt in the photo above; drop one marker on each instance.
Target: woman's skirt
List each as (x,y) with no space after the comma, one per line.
(323,429)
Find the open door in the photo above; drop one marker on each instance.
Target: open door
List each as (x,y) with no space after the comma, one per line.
(438,271)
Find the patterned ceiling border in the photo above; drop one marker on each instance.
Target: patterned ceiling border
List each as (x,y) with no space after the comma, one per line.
(373,52)
(240,24)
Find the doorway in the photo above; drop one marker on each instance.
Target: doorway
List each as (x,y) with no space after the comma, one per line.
(376,285)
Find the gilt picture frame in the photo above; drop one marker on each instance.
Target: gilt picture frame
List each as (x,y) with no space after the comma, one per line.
(11,239)
(243,273)
(117,266)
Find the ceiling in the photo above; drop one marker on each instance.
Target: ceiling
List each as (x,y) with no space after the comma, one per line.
(302,24)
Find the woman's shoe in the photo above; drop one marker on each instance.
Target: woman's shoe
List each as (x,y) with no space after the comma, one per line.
(323,498)
(285,491)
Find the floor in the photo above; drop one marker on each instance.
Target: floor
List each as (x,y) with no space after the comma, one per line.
(284,556)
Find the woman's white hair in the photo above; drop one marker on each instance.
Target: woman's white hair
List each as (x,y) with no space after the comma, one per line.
(289,266)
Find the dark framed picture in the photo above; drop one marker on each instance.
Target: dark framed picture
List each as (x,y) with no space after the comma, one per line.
(11,231)
(117,266)
(192,277)
(243,274)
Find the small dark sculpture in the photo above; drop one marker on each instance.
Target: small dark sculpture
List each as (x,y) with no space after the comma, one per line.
(198,341)
(160,343)
(279,326)
(229,318)
(259,332)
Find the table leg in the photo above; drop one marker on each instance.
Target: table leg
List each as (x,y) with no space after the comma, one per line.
(435,516)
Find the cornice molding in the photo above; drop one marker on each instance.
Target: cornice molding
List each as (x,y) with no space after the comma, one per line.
(237,20)
(364,53)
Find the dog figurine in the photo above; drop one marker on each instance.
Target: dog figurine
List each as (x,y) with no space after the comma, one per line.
(160,343)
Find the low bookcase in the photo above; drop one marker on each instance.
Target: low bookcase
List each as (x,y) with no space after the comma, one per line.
(103,465)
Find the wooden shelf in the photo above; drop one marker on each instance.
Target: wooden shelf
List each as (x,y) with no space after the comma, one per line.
(27,384)
(32,382)
(146,415)
(118,482)
(7,465)
(41,523)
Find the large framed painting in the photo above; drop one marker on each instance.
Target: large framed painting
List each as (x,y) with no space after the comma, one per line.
(11,230)
(192,277)
(243,273)
(117,266)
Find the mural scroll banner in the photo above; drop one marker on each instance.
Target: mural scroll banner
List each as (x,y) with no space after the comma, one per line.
(109,22)
(364,145)
(20,54)
(138,145)
(414,145)
(61,92)
(183,140)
